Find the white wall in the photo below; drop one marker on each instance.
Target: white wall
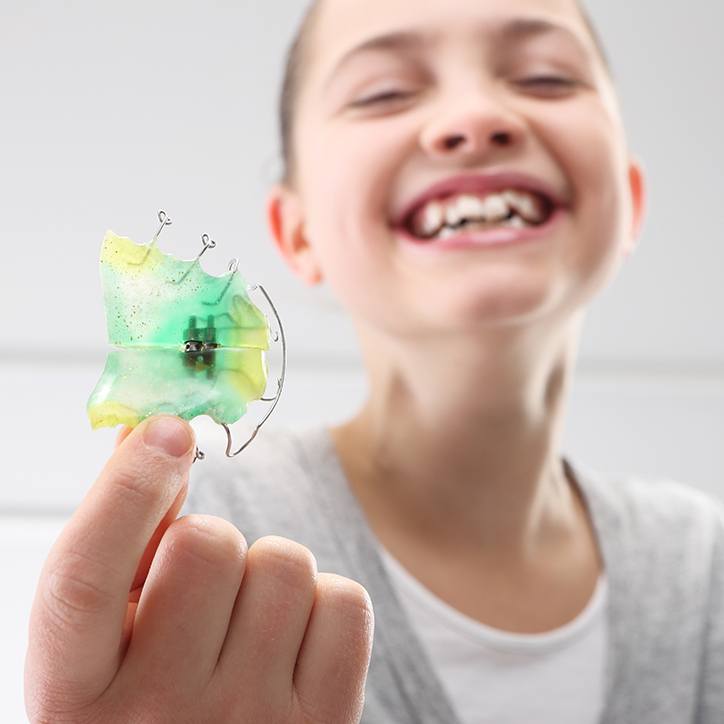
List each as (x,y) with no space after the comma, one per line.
(112,111)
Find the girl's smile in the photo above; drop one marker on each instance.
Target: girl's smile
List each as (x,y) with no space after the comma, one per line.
(400,95)
(479,210)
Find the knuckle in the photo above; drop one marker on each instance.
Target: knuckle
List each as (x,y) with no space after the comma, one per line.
(209,538)
(49,702)
(71,593)
(134,485)
(346,597)
(143,482)
(285,559)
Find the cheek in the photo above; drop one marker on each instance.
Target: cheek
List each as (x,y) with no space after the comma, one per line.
(590,147)
(347,172)
(352,164)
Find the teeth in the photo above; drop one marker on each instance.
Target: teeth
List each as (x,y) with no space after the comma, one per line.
(452,216)
(496,208)
(491,208)
(531,207)
(432,219)
(463,207)
(516,222)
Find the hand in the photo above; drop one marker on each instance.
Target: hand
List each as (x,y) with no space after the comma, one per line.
(142,617)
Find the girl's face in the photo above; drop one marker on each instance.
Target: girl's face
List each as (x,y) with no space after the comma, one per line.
(378,125)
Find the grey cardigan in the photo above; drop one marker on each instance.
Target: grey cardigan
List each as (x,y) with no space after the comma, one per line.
(662,544)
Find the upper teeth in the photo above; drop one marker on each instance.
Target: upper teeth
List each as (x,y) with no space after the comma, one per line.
(428,220)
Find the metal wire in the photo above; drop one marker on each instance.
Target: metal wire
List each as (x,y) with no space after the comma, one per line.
(233,268)
(208,244)
(165,221)
(280,381)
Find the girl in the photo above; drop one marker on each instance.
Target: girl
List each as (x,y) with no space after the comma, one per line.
(458,173)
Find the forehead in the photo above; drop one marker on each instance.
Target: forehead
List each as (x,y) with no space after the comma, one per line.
(342,26)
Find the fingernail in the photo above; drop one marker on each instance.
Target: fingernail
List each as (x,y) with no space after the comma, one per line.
(168,434)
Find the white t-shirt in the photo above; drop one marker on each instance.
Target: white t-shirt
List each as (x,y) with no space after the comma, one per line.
(497,677)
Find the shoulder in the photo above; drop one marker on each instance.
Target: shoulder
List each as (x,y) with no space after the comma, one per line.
(662,542)
(654,504)
(656,523)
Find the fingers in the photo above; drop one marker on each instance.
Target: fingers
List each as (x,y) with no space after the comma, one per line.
(332,666)
(270,616)
(150,552)
(80,605)
(185,607)
(302,640)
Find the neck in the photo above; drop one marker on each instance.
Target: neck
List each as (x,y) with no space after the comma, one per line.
(457,441)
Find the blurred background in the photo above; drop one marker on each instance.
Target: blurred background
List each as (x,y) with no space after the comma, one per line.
(112,111)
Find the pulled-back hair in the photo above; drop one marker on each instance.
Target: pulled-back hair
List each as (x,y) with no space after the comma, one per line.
(295,67)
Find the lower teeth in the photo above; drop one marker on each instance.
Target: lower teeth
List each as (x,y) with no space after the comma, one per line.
(515,222)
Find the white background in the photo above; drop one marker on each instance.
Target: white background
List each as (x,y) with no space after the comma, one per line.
(111,111)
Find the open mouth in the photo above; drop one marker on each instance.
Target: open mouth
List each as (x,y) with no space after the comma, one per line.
(446,217)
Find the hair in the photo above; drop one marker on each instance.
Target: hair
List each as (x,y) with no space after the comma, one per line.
(296,62)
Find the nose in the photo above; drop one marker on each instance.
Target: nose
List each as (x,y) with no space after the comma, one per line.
(472,130)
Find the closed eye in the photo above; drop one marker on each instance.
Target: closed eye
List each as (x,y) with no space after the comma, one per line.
(379,98)
(549,80)
(542,80)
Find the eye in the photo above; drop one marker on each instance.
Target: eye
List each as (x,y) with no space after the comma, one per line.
(380,97)
(550,81)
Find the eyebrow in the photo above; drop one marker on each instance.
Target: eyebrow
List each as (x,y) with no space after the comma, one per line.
(514,30)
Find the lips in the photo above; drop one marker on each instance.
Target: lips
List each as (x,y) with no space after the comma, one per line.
(479,183)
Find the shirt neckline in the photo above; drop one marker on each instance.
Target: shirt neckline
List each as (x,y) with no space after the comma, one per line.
(490,636)
(413,672)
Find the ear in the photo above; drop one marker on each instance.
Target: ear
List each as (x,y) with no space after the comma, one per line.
(286,222)
(637,187)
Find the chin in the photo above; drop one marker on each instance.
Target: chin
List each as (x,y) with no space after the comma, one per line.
(496,304)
